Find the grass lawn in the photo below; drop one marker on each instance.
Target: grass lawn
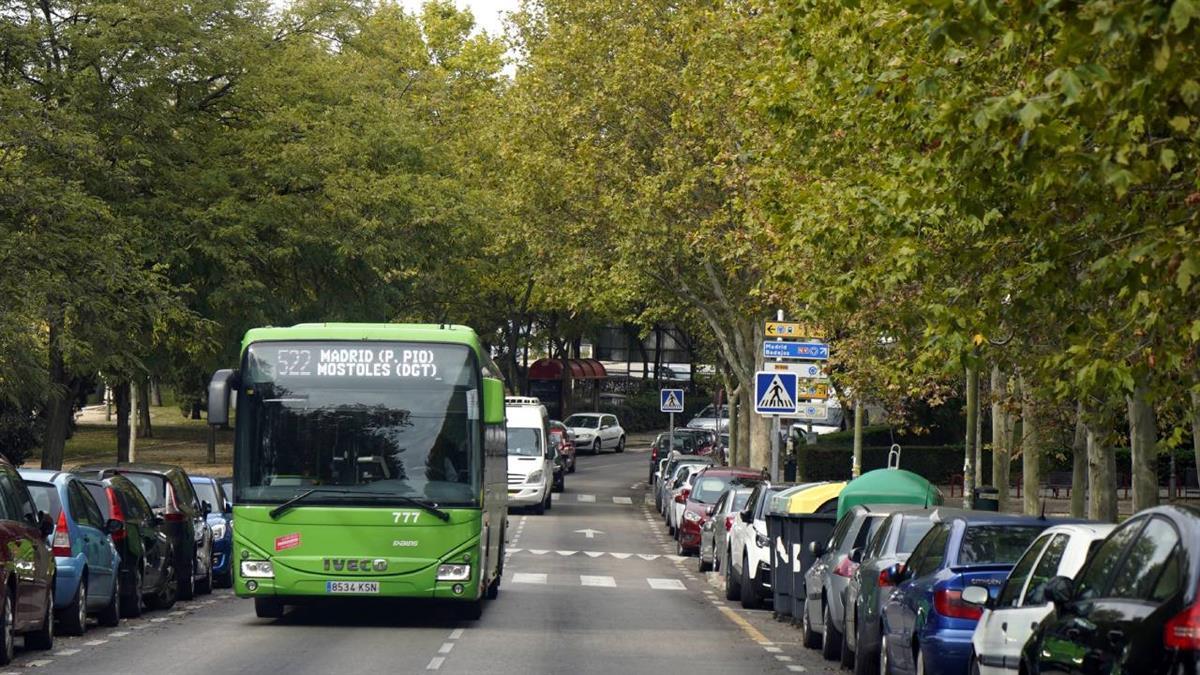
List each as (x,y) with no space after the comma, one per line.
(176,440)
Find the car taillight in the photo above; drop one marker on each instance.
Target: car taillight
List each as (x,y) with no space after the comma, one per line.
(60,545)
(1183,630)
(950,604)
(844,568)
(115,513)
(729,521)
(171,512)
(884,580)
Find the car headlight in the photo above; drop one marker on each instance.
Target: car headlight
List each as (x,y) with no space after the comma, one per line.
(535,477)
(691,516)
(218,531)
(762,541)
(453,572)
(258,569)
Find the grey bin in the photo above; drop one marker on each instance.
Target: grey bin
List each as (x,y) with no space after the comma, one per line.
(790,535)
(987,499)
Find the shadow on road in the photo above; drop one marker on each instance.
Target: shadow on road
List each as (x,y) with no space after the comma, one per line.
(371,612)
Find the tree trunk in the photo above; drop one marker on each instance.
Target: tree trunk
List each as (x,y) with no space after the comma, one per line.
(982,476)
(859,414)
(735,447)
(1031,449)
(1001,435)
(1102,477)
(59,402)
(971,440)
(212,444)
(745,412)
(121,394)
(1079,467)
(145,429)
(1143,434)
(1196,431)
(155,393)
(760,427)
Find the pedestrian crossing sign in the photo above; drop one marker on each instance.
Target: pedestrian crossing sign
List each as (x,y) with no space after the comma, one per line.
(671,400)
(775,393)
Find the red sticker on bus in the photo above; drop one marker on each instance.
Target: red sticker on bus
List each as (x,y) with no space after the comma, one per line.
(287,541)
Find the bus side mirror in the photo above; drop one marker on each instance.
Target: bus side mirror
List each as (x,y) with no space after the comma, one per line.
(493,401)
(220,390)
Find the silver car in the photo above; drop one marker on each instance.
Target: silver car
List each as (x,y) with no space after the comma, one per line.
(711,418)
(666,478)
(715,530)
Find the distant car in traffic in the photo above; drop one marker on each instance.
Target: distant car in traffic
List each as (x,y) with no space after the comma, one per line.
(1133,608)
(530,457)
(170,494)
(26,599)
(1008,621)
(220,522)
(666,478)
(147,558)
(699,505)
(596,432)
(711,417)
(561,436)
(665,443)
(86,560)
(704,441)
(714,533)
(927,626)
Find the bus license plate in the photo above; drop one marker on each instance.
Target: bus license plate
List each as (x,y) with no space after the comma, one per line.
(351,586)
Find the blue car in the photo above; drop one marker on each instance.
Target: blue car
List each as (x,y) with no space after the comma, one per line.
(86,581)
(220,520)
(927,626)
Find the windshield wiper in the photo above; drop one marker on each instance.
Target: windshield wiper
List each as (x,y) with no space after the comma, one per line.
(291,503)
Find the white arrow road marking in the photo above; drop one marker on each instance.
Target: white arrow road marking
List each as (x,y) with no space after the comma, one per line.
(586,498)
(527,578)
(666,584)
(622,500)
(599,582)
(590,533)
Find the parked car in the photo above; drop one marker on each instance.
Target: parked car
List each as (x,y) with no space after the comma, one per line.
(667,477)
(665,443)
(559,480)
(711,417)
(561,436)
(85,558)
(1135,606)
(170,495)
(714,533)
(868,590)
(700,503)
(530,457)
(748,574)
(27,591)
(704,441)
(220,523)
(1008,622)
(826,580)
(927,626)
(595,432)
(147,568)
(679,495)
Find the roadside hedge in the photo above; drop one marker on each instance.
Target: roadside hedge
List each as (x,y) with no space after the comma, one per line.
(639,412)
(936,463)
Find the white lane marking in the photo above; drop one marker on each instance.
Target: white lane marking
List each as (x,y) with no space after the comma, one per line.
(622,500)
(119,633)
(555,496)
(782,657)
(594,554)
(39,663)
(539,551)
(141,626)
(648,556)
(446,647)
(514,550)
(666,584)
(797,669)
(65,652)
(620,556)
(95,643)
(586,498)
(435,663)
(527,578)
(598,582)
(678,558)
(456,633)
(160,619)
(773,650)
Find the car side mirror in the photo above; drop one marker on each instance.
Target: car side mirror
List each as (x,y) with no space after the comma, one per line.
(710,510)
(113,526)
(45,524)
(1059,591)
(220,391)
(747,517)
(856,555)
(817,548)
(976,595)
(206,507)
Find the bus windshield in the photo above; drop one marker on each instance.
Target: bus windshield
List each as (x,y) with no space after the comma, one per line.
(372,417)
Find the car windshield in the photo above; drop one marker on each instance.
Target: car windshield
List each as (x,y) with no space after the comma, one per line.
(709,488)
(911,531)
(995,544)
(45,498)
(524,442)
(711,411)
(208,493)
(739,500)
(583,421)
(370,418)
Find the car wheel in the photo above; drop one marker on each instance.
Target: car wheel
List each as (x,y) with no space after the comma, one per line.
(750,598)
(549,501)
(596,447)
(540,509)
(974,669)
(43,638)
(733,587)
(493,589)
(7,636)
(187,581)
(703,565)
(865,662)
(111,614)
(268,608)
(571,468)
(165,596)
(621,445)
(810,637)
(205,587)
(470,611)
(131,600)
(679,549)
(74,616)
(831,638)
(885,667)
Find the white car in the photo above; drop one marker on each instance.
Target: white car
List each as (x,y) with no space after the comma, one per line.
(1008,622)
(711,418)
(675,504)
(748,574)
(530,457)
(595,432)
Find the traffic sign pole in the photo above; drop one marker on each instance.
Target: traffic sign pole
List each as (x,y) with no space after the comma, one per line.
(775,424)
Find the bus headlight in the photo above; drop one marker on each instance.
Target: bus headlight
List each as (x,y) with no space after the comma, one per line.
(453,572)
(534,478)
(258,569)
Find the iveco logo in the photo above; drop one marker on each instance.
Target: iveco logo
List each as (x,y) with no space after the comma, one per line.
(355,565)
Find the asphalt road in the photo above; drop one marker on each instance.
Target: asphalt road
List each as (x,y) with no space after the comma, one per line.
(617,602)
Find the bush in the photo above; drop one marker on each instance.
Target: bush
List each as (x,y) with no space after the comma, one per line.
(935,463)
(20,432)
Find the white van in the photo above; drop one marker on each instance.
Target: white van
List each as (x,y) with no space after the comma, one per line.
(530,457)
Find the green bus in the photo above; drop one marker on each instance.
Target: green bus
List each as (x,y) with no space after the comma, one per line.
(369,460)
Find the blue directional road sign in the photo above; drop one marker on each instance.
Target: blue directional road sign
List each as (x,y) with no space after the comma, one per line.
(671,400)
(775,393)
(815,351)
